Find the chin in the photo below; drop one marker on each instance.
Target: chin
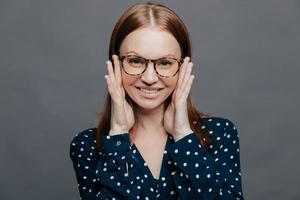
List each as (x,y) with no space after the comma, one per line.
(149,105)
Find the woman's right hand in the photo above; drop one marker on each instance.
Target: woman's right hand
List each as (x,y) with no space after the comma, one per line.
(122,117)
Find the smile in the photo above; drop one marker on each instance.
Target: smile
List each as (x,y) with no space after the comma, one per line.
(149,93)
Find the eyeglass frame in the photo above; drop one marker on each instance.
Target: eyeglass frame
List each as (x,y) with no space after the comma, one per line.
(179,61)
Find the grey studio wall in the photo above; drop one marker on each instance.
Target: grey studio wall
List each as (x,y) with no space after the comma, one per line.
(52,59)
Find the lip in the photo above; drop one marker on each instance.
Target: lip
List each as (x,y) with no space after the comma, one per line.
(148,88)
(149,96)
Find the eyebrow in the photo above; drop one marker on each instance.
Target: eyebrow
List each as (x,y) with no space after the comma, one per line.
(143,57)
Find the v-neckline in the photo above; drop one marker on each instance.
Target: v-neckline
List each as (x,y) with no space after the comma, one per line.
(147,166)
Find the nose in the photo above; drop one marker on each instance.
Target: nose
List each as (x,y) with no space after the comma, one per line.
(149,76)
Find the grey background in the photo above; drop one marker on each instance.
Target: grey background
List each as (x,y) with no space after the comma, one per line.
(52,59)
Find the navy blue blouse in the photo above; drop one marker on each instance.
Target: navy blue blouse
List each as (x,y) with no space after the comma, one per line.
(188,170)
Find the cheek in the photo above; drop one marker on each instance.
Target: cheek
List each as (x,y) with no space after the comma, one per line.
(171,83)
(127,80)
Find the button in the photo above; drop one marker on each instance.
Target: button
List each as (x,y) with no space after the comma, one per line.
(118,143)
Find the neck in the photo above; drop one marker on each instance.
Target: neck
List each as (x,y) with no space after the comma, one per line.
(149,124)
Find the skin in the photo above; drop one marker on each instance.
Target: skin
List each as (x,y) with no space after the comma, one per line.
(153,122)
(149,133)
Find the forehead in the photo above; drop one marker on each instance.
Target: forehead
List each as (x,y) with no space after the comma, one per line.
(150,43)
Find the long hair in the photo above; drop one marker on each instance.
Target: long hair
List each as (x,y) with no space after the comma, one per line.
(143,15)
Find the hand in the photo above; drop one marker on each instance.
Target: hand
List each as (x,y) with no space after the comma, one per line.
(176,121)
(122,117)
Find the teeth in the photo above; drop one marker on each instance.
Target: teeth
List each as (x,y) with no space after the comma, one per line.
(148,91)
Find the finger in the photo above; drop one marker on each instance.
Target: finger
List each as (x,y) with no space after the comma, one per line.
(182,70)
(117,69)
(111,74)
(108,83)
(180,77)
(187,74)
(188,87)
(113,89)
(185,78)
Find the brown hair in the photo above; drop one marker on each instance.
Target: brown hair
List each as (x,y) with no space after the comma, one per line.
(144,15)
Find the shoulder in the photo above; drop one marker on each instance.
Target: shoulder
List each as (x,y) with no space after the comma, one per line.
(84,142)
(223,129)
(86,136)
(219,123)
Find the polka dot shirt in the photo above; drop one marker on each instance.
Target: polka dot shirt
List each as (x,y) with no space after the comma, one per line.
(188,170)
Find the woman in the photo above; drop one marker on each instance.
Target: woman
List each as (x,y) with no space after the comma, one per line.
(151,142)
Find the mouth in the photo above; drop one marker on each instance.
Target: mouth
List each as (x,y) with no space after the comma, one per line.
(149,93)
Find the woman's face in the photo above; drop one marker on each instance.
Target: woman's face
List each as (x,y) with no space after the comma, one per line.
(149,43)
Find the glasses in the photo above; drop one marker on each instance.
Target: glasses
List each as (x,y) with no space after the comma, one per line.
(136,65)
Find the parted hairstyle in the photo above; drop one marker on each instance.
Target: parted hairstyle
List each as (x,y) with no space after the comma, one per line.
(143,15)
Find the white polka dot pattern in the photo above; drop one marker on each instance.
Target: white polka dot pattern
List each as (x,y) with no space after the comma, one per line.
(188,171)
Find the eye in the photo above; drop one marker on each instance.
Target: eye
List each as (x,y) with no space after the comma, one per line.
(165,62)
(135,60)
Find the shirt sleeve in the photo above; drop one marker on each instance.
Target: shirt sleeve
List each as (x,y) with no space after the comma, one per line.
(108,176)
(84,160)
(208,175)
(117,170)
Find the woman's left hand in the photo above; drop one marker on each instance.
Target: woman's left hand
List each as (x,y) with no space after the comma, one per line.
(176,121)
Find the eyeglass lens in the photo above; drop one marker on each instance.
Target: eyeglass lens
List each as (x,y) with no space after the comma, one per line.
(164,66)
